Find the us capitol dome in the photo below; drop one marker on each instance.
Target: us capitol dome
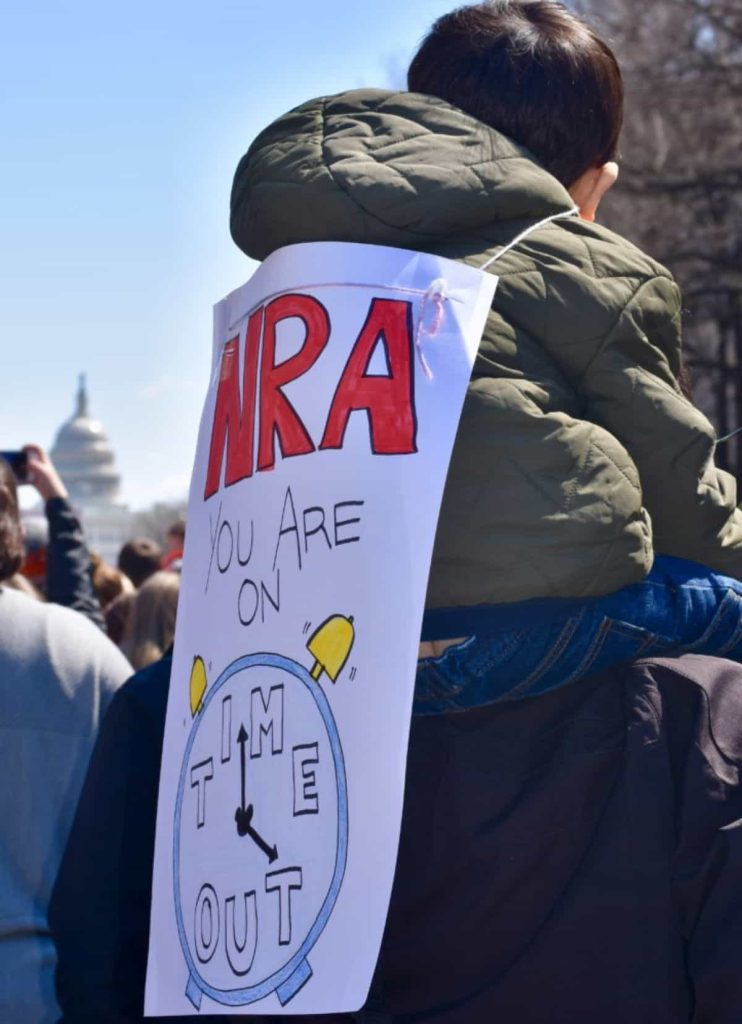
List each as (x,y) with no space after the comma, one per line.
(85,460)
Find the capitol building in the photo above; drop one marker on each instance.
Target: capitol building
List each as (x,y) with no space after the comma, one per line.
(85,460)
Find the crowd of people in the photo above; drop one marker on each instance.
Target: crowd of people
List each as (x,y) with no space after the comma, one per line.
(133,602)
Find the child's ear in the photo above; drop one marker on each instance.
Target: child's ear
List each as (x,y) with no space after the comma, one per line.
(590,188)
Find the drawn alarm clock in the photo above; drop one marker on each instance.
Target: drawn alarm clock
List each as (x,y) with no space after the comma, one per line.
(261,822)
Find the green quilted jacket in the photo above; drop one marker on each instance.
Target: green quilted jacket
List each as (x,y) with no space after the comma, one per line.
(577,456)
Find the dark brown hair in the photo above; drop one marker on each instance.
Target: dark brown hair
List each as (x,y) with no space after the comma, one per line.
(532,70)
(11,532)
(139,559)
(108,582)
(177,530)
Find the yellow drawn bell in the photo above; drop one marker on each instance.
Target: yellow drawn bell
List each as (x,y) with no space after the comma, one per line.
(330,646)
(198,685)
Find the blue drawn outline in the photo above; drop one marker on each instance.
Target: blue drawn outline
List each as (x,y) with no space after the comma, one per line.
(295,971)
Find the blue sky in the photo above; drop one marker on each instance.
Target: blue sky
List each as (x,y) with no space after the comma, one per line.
(121,127)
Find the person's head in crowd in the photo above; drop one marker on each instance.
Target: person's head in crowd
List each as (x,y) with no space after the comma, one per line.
(13,542)
(108,582)
(536,72)
(139,559)
(151,625)
(176,536)
(12,549)
(173,556)
(117,615)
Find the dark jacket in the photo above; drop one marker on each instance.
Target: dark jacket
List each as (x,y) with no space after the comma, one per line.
(577,456)
(68,569)
(570,859)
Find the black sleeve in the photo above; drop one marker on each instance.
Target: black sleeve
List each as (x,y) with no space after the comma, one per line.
(68,572)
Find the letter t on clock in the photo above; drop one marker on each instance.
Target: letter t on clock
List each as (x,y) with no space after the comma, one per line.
(200,775)
(283,882)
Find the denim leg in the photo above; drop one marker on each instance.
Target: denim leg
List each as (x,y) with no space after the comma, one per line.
(687,605)
(516,664)
(680,606)
(484,669)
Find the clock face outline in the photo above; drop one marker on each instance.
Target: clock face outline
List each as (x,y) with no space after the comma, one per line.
(289,978)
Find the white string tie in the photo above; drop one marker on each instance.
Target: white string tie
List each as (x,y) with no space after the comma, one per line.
(527,231)
(728,436)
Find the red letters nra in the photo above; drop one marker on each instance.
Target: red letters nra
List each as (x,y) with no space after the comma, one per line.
(249,421)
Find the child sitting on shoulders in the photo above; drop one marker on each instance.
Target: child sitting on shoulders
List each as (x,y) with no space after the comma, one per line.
(583,521)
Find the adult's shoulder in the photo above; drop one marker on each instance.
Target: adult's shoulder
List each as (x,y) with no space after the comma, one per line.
(697,700)
(35,633)
(144,695)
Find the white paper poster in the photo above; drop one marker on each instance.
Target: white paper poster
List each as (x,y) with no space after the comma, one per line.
(338,376)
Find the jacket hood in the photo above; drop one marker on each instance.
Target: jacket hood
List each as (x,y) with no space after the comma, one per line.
(385,168)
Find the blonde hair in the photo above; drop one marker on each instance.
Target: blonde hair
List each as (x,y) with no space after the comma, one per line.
(151,625)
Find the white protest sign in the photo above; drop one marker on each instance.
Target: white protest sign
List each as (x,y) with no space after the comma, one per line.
(339,373)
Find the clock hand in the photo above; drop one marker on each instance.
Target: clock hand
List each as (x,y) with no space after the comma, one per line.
(271,852)
(243,814)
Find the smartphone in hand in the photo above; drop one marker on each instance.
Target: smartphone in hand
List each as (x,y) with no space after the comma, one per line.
(18,462)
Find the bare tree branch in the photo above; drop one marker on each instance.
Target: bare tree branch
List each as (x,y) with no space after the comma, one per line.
(679,194)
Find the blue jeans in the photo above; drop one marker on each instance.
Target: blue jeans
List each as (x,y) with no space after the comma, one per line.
(526,649)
